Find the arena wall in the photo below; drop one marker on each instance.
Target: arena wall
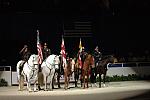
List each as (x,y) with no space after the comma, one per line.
(113,69)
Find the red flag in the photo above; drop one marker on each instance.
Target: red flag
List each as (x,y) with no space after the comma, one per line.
(79,56)
(79,60)
(63,53)
(39,49)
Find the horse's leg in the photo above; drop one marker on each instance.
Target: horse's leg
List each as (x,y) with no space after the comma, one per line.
(27,81)
(65,76)
(40,80)
(19,81)
(35,86)
(84,78)
(51,78)
(45,82)
(95,75)
(92,76)
(81,77)
(100,80)
(68,82)
(87,79)
(36,79)
(104,77)
(75,78)
(29,85)
(58,79)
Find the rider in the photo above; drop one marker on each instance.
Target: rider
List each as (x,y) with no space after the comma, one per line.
(46,51)
(83,55)
(97,57)
(25,54)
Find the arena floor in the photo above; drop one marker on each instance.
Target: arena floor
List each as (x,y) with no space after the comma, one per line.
(127,90)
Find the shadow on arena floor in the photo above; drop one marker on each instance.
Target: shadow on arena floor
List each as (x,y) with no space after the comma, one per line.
(143,96)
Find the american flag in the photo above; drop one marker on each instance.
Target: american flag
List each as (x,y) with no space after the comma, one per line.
(79,56)
(39,49)
(63,53)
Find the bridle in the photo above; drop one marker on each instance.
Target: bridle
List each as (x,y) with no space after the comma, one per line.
(53,64)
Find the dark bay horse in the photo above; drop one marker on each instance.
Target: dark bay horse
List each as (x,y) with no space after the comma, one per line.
(88,63)
(101,67)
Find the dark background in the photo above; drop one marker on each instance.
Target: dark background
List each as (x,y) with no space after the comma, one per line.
(118,28)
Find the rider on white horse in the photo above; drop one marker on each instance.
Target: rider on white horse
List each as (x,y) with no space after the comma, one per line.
(25,54)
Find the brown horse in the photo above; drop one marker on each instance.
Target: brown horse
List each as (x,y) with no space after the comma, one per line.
(88,63)
(67,73)
(102,67)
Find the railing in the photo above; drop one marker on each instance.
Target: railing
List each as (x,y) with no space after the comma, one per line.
(138,68)
(6,73)
(130,64)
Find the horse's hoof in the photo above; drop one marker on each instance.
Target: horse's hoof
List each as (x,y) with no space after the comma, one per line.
(59,87)
(104,85)
(35,90)
(50,89)
(68,88)
(20,89)
(39,88)
(30,91)
(65,88)
(45,89)
(83,87)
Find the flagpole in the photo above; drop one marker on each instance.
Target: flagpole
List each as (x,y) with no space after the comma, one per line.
(61,54)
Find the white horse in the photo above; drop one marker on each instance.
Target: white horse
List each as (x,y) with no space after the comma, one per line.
(29,71)
(48,68)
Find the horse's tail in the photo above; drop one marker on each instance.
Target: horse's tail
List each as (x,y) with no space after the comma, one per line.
(19,67)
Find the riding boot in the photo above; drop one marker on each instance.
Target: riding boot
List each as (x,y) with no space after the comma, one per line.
(21,67)
(40,80)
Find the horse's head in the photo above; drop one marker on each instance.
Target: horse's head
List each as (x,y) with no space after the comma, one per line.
(56,61)
(91,60)
(33,60)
